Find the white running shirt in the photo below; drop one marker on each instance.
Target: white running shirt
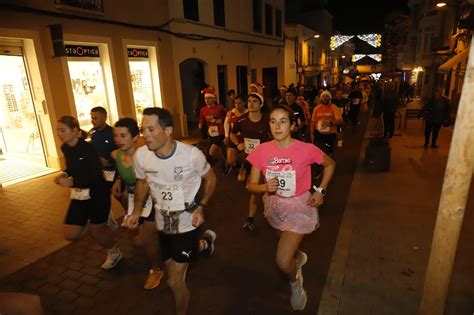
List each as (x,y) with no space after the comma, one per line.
(174,182)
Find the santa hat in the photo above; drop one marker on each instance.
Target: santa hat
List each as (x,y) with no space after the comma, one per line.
(256,85)
(257,95)
(209,92)
(326,92)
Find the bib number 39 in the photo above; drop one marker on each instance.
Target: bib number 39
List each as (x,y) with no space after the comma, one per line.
(286,182)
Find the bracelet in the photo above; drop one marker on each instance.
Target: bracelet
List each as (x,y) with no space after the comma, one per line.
(202,205)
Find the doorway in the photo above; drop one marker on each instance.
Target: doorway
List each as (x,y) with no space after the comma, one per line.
(270,81)
(22,153)
(191,72)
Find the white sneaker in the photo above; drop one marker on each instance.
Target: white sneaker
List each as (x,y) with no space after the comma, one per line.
(298,294)
(112,259)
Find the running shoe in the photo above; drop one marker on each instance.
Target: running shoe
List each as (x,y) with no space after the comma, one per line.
(248,226)
(298,294)
(154,278)
(112,259)
(210,237)
(242,175)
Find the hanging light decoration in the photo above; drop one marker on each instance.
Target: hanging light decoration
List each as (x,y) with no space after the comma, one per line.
(376,76)
(376,57)
(338,40)
(372,39)
(357,57)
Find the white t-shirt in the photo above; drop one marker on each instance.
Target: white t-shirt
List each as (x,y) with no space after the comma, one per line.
(174,182)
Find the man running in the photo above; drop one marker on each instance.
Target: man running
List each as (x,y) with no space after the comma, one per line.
(254,130)
(172,171)
(326,118)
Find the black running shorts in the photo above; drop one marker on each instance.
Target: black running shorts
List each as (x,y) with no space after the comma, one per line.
(95,209)
(182,248)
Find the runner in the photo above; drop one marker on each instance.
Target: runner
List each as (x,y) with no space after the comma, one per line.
(172,171)
(254,130)
(232,116)
(290,208)
(102,138)
(126,135)
(213,115)
(326,118)
(341,104)
(290,97)
(90,197)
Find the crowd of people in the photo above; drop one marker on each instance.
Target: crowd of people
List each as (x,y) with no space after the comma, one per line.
(165,185)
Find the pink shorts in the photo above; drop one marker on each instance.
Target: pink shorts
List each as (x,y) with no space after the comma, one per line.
(291,214)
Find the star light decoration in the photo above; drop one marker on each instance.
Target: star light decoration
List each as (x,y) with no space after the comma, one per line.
(372,39)
(357,57)
(338,40)
(376,76)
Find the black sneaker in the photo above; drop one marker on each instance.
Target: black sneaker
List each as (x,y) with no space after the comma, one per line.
(248,226)
(210,237)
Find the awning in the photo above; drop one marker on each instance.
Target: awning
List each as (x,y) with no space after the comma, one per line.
(453,61)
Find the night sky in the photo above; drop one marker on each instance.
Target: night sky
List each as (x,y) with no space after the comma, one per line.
(357,16)
(364,16)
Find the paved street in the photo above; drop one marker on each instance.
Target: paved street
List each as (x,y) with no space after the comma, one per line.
(240,278)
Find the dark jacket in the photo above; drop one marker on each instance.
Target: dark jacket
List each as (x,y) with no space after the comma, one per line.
(437,111)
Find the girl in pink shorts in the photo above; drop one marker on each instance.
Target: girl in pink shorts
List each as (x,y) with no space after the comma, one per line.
(290,207)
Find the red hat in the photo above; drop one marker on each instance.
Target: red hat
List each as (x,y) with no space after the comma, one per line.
(257,95)
(209,91)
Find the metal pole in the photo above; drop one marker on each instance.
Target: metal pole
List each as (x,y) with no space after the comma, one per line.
(452,205)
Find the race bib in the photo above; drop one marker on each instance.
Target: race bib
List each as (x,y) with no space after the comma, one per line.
(356,101)
(168,197)
(80,193)
(146,210)
(213,131)
(324,126)
(286,182)
(109,176)
(251,144)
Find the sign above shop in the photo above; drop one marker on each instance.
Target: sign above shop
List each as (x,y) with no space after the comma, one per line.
(82,51)
(137,52)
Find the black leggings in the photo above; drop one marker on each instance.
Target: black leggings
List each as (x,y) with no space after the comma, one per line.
(325,141)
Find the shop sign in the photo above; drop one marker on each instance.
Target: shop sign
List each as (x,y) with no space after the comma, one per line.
(82,51)
(137,52)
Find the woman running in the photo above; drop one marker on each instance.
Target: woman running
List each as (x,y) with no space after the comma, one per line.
(289,205)
(90,198)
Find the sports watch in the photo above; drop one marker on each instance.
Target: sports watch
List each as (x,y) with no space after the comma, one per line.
(321,190)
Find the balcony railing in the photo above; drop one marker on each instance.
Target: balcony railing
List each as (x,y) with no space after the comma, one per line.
(91,5)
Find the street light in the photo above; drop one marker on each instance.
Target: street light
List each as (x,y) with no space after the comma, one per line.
(441,4)
(314,36)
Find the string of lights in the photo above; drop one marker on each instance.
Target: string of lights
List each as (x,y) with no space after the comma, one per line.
(374,40)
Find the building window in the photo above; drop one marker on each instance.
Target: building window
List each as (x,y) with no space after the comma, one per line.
(219,13)
(93,5)
(277,22)
(257,15)
(268,19)
(222,83)
(191,10)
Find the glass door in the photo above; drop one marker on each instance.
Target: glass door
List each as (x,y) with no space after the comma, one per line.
(19,130)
